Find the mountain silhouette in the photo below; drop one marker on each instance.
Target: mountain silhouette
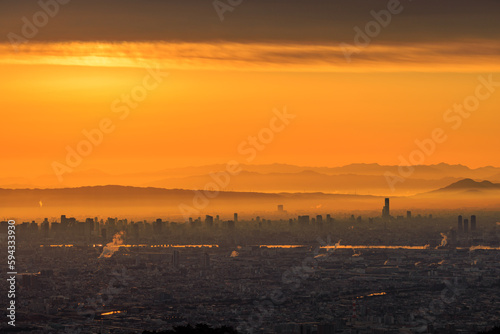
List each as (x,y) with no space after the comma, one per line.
(469,184)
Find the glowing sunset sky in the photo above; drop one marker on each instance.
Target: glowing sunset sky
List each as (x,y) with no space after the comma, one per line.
(226,77)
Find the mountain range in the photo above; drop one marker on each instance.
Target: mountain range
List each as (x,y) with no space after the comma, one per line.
(370,179)
(113,200)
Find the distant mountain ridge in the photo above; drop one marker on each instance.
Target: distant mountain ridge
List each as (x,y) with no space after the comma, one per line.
(469,184)
(357,178)
(138,201)
(113,200)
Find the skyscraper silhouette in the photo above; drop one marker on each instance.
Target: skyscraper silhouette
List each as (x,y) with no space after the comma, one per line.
(386,211)
(209,221)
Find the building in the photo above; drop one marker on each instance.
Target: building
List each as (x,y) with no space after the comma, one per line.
(386,213)
(158,226)
(135,232)
(64,222)
(280,207)
(228,224)
(460,225)
(319,219)
(104,236)
(408,215)
(209,221)
(466,226)
(473,223)
(235,217)
(45,227)
(303,219)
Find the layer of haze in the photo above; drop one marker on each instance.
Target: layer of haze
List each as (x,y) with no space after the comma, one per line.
(200,117)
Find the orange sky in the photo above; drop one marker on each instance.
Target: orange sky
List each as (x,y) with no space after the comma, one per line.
(216,95)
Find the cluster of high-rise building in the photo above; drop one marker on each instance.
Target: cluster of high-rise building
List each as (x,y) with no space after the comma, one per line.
(463,224)
(217,271)
(99,231)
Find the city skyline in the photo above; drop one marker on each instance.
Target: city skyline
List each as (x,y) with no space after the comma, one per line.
(250,167)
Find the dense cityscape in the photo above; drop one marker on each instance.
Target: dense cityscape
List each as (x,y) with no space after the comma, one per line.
(321,274)
(250,167)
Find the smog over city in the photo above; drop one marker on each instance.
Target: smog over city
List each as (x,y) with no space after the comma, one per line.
(262,167)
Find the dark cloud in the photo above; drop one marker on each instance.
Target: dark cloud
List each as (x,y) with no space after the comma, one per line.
(255,20)
(470,56)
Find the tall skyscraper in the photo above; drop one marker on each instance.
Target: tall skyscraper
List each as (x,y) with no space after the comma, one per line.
(408,214)
(280,207)
(386,213)
(466,226)
(235,217)
(473,223)
(319,219)
(459,226)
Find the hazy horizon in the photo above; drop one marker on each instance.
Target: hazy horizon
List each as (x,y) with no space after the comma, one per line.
(185,86)
(250,166)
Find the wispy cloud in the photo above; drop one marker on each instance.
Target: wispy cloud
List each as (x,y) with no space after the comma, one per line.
(467,56)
